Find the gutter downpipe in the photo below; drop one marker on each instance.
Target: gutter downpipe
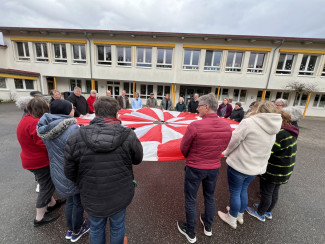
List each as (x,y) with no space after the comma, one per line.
(269,76)
(90,62)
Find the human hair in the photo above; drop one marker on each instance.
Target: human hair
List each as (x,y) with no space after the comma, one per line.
(238,103)
(54,91)
(136,93)
(282,101)
(93,91)
(182,99)
(106,107)
(38,106)
(263,107)
(286,119)
(77,88)
(22,102)
(226,99)
(210,100)
(35,93)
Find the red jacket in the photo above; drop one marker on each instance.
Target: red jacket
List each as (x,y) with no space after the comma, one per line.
(34,154)
(204,141)
(228,110)
(90,101)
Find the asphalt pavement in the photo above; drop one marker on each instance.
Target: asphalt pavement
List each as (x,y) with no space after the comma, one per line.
(299,216)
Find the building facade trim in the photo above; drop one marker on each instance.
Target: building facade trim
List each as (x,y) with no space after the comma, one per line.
(146,44)
(228,48)
(47,40)
(301,51)
(18,77)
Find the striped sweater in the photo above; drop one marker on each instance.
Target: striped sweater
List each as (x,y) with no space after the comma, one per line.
(283,156)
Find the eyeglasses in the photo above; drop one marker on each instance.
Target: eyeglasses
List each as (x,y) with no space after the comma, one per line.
(201,105)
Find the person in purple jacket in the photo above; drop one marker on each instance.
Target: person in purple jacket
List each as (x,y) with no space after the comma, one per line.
(225,109)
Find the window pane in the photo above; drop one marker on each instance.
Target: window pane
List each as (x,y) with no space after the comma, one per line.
(217,58)
(303,62)
(128,54)
(64,51)
(195,59)
(230,59)
(29,84)
(289,62)
(167,89)
(316,101)
(160,90)
(88,86)
(26,49)
(160,57)
(312,63)
(260,60)
(19,84)
(120,53)
(83,51)
(285,95)
(303,100)
(251,61)
(100,52)
(57,53)
(278,95)
(140,54)
(150,89)
(2,82)
(187,57)
(236,93)
(169,55)
(38,49)
(208,58)
(143,89)
(243,95)
(108,53)
(148,55)
(45,49)
(20,49)
(126,87)
(322,101)
(238,59)
(75,51)
(281,61)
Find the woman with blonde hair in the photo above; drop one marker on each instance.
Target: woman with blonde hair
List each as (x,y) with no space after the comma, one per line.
(247,156)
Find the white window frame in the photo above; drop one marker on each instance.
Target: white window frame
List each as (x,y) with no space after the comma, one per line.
(43,46)
(147,95)
(104,61)
(25,57)
(124,63)
(255,69)
(160,97)
(282,92)
(283,69)
(305,71)
(191,66)
(319,98)
(144,63)
(232,68)
(114,84)
(79,60)
(60,60)
(222,96)
(5,82)
(239,95)
(298,101)
(164,64)
(211,67)
(24,85)
(75,81)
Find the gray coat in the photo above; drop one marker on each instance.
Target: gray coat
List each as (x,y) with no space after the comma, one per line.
(163,104)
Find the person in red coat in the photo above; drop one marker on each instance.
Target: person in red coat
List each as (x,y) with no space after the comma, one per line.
(225,109)
(90,100)
(202,145)
(34,158)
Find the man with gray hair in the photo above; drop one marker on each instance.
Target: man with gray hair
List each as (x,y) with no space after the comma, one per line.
(281,103)
(79,102)
(202,145)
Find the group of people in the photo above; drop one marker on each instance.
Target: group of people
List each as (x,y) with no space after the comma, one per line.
(91,166)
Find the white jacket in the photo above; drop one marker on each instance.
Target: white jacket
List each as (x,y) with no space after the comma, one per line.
(250,146)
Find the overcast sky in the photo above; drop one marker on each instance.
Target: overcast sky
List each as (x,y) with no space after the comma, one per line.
(295,18)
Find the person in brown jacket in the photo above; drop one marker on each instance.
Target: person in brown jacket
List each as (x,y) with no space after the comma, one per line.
(123,100)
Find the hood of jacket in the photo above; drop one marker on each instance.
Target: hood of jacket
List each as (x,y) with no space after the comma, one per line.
(50,126)
(239,109)
(292,129)
(102,137)
(269,122)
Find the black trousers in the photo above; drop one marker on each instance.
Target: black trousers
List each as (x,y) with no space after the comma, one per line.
(269,196)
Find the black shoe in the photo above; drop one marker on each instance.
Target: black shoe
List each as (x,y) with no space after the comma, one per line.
(46,220)
(207,229)
(58,204)
(190,236)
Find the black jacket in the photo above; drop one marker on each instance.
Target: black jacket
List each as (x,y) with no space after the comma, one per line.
(192,106)
(237,114)
(99,158)
(180,107)
(80,103)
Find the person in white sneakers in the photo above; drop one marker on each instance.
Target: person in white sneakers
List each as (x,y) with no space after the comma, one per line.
(247,156)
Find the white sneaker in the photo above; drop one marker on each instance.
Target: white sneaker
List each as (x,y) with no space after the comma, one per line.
(240,216)
(37,188)
(230,220)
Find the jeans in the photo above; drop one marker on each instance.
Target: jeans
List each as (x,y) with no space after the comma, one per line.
(193,179)
(74,213)
(117,228)
(269,196)
(238,184)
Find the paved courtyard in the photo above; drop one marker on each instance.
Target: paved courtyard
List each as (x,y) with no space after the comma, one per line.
(159,199)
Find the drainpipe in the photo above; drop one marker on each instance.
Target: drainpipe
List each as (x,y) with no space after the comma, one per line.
(91,64)
(269,76)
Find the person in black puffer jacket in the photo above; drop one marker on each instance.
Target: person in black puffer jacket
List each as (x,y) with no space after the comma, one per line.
(99,158)
(238,113)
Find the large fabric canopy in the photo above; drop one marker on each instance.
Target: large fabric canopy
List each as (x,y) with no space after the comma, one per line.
(159,131)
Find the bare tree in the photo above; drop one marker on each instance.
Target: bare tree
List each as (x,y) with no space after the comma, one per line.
(301,88)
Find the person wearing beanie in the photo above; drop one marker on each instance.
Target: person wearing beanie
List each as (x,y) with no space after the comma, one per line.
(55,128)
(90,101)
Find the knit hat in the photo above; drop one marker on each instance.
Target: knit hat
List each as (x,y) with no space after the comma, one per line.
(60,106)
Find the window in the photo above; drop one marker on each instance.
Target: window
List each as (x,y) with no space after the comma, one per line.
(74,83)
(60,53)
(300,100)
(239,95)
(88,86)
(307,66)
(21,84)
(124,56)
(161,91)
(145,91)
(283,95)
(285,64)
(259,95)
(234,61)
(319,101)
(3,84)
(191,59)
(144,56)
(104,55)
(256,62)
(128,87)
(23,51)
(79,54)
(41,52)
(164,58)
(223,93)
(323,72)
(212,60)
(114,87)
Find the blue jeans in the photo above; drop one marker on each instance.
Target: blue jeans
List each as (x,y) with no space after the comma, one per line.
(74,213)
(238,184)
(117,228)
(193,179)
